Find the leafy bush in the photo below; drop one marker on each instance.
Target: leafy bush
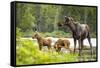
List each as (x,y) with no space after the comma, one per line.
(27,52)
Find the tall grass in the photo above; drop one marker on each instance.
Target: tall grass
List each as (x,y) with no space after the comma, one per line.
(27,52)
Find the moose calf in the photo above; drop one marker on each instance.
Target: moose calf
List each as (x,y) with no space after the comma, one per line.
(42,41)
(62,43)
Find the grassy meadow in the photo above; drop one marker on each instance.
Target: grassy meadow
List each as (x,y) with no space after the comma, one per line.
(29,53)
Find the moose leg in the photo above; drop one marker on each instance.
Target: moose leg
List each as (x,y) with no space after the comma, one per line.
(81,45)
(66,45)
(49,47)
(59,49)
(89,40)
(74,45)
(80,48)
(40,47)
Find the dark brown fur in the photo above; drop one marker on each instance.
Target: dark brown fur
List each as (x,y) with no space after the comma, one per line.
(79,32)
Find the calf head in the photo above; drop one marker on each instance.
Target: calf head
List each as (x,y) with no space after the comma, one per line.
(35,36)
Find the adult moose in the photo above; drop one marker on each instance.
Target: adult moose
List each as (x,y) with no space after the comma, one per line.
(79,32)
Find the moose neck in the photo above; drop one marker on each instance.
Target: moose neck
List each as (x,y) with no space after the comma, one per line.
(72,27)
(39,38)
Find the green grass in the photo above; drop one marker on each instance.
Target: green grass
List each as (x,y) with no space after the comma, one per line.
(29,53)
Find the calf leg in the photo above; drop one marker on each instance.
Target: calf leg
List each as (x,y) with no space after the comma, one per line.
(59,49)
(49,47)
(40,47)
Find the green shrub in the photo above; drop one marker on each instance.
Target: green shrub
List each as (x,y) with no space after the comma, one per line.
(27,52)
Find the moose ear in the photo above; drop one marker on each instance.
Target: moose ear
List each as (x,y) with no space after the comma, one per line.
(71,19)
(65,17)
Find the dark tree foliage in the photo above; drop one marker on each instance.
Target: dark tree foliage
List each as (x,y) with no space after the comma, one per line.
(44,18)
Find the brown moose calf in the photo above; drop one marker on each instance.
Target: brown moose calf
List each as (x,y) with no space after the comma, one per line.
(42,41)
(62,43)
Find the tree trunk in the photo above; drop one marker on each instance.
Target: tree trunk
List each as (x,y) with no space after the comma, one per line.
(85,15)
(56,18)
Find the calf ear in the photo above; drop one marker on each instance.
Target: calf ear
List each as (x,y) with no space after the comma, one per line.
(36,32)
